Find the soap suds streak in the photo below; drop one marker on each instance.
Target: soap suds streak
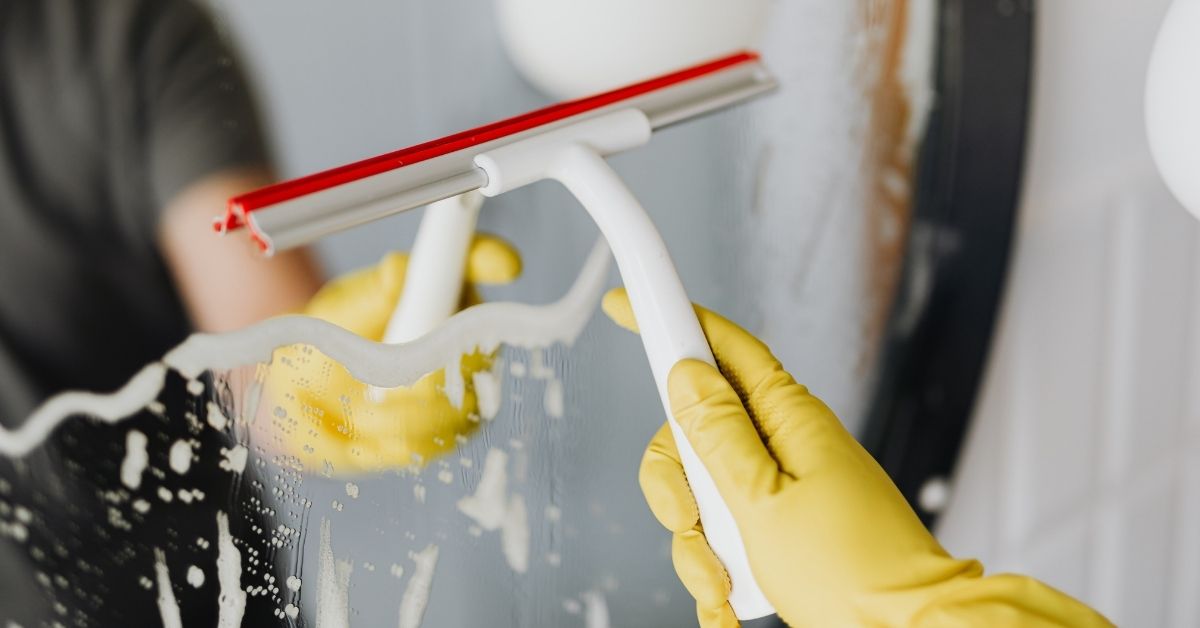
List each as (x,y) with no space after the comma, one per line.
(488,505)
(595,610)
(135,460)
(514,535)
(333,585)
(416,593)
(454,387)
(552,400)
(234,460)
(492,508)
(168,607)
(216,418)
(231,602)
(487,393)
(195,576)
(180,457)
(483,327)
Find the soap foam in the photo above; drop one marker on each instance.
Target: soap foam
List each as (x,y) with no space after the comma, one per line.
(514,535)
(333,584)
(595,610)
(454,387)
(168,607)
(492,508)
(231,602)
(180,457)
(195,576)
(480,328)
(487,393)
(488,505)
(216,418)
(416,594)
(233,460)
(552,400)
(135,460)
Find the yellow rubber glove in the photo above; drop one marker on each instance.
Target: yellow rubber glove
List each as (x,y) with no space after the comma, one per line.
(831,541)
(331,422)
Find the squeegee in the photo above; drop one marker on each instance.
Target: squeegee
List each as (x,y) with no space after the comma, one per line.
(566,142)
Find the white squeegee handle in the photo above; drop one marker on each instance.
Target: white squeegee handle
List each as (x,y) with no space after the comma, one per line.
(670,331)
(433,279)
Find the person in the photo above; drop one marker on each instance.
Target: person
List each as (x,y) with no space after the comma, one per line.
(125,126)
(830,539)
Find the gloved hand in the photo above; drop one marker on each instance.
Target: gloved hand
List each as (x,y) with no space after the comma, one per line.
(332,418)
(830,539)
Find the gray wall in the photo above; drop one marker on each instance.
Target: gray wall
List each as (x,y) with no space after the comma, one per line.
(1082,467)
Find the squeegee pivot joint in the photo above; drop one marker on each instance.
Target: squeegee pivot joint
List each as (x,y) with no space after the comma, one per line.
(519,164)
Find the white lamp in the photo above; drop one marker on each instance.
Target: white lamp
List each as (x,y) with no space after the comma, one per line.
(571,48)
(1173,102)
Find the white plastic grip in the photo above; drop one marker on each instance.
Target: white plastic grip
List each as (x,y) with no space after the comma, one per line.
(670,331)
(433,279)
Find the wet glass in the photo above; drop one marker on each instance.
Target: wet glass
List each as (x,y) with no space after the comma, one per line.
(293,493)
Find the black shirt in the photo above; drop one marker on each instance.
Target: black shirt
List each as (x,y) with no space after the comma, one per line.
(108,109)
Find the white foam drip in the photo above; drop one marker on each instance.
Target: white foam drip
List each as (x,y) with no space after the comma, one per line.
(487,394)
(416,593)
(514,535)
(333,585)
(234,460)
(483,327)
(180,457)
(552,400)
(168,607)
(195,576)
(492,508)
(231,602)
(537,365)
(216,418)
(135,460)
(488,505)
(454,387)
(595,610)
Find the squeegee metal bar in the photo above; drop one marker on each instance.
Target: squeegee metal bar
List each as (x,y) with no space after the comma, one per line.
(300,211)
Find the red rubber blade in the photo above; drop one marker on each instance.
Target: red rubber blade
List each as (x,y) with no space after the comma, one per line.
(288,190)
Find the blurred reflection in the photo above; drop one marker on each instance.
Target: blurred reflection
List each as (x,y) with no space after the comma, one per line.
(123,127)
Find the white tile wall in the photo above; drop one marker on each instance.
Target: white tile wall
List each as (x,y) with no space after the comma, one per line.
(1082,466)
